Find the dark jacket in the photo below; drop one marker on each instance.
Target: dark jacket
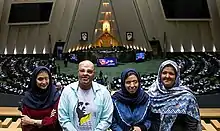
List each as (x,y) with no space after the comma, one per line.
(182,123)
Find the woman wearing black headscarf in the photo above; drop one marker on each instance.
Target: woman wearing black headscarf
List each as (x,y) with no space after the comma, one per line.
(40,103)
(131,104)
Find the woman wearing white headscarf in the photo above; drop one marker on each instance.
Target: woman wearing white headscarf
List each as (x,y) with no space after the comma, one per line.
(176,104)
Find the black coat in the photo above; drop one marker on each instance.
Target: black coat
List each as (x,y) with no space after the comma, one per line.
(183,122)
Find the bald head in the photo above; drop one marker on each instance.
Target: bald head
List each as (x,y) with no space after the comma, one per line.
(86,63)
(86,74)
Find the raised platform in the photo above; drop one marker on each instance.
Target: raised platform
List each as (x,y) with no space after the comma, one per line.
(9,100)
(206,113)
(9,111)
(9,125)
(208,101)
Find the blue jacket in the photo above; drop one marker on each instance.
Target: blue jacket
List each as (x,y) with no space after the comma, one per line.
(68,103)
(124,118)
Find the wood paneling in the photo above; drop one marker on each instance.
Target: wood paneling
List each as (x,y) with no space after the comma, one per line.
(60,28)
(22,39)
(84,21)
(34,35)
(179,32)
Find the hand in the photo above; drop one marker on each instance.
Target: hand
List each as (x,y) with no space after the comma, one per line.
(25,120)
(53,113)
(136,128)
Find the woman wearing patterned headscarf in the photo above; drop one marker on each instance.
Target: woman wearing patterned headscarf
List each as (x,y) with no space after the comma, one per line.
(176,104)
(131,112)
(40,103)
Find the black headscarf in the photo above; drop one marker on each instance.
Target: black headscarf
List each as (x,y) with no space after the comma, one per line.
(37,98)
(139,97)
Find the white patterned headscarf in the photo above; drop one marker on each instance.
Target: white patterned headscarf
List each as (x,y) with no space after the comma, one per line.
(173,101)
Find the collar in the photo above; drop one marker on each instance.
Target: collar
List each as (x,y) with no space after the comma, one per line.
(96,87)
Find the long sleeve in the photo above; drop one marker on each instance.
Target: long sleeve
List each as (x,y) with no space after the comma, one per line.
(107,113)
(25,111)
(185,122)
(155,121)
(191,124)
(146,122)
(51,121)
(145,126)
(115,126)
(44,115)
(26,127)
(63,114)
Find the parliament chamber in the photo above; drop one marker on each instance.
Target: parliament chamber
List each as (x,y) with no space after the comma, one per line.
(59,34)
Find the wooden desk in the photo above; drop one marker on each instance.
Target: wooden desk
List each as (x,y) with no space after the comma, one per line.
(210,112)
(204,112)
(8,129)
(9,111)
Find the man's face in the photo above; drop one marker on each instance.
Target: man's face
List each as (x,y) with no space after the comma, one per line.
(86,74)
(58,87)
(82,107)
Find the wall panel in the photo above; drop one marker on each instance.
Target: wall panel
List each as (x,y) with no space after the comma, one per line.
(33,32)
(21,39)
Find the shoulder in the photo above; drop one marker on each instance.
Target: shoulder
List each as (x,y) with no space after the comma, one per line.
(70,87)
(24,107)
(73,85)
(68,91)
(117,103)
(153,90)
(114,100)
(102,92)
(27,94)
(190,99)
(97,84)
(189,95)
(99,87)
(57,100)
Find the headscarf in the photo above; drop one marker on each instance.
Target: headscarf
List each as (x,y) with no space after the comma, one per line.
(173,101)
(139,97)
(37,98)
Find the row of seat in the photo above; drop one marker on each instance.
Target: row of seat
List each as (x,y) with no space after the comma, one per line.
(209,116)
(199,72)
(212,125)
(9,125)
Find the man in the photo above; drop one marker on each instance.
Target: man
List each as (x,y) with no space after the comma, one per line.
(59,87)
(100,75)
(65,62)
(85,105)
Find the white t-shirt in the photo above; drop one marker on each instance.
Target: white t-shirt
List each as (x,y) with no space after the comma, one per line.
(85,110)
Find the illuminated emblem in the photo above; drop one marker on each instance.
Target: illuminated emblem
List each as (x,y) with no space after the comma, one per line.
(84,36)
(129,36)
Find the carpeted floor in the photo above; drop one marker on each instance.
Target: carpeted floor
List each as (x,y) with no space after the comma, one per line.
(150,66)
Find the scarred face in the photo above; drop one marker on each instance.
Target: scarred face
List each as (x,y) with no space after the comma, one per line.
(86,74)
